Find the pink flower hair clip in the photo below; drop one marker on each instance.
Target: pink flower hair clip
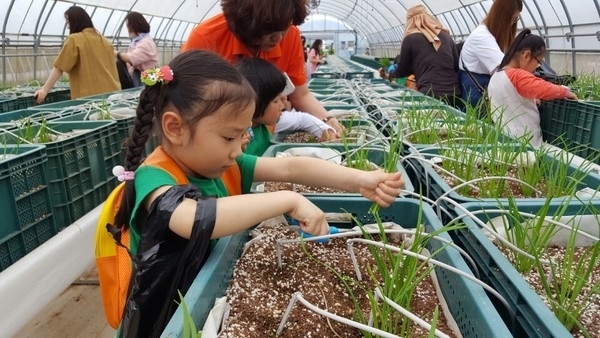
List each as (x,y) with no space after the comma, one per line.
(152,76)
(123,175)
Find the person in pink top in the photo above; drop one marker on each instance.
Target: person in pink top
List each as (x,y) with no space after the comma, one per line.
(142,53)
(314,55)
(515,92)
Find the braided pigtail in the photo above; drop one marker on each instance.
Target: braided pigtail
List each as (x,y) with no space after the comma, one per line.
(140,133)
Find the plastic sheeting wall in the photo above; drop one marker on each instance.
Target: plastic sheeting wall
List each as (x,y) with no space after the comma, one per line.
(33,30)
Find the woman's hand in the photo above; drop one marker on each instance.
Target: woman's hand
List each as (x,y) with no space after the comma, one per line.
(40,95)
(333,122)
(329,135)
(310,217)
(380,187)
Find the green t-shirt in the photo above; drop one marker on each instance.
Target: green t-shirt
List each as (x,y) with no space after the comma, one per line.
(149,178)
(261,141)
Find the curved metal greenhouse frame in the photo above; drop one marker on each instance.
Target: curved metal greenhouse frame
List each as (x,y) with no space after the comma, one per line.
(33,30)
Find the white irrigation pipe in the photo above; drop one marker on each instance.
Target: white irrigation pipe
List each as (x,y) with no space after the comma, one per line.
(297,296)
(15,135)
(491,230)
(420,151)
(414,318)
(440,168)
(353,233)
(470,182)
(548,220)
(33,117)
(429,260)
(430,201)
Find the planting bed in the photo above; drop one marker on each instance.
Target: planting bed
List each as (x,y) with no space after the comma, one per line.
(260,292)
(467,302)
(524,291)
(556,179)
(589,317)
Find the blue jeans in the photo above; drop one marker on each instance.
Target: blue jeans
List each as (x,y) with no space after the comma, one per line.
(470,94)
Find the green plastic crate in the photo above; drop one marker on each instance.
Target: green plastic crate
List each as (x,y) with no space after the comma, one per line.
(556,121)
(62,105)
(347,112)
(8,104)
(134,93)
(16,103)
(323,93)
(339,100)
(327,82)
(25,204)
(375,154)
(359,75)
(124,126)
(533,317)
(327,75)
(469,304)
(328,86)
(58,94)
(412,99)
(17,116)
(585,137)
(77,165)
(367,60)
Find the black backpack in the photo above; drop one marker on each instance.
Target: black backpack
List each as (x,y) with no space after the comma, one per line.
(546,72)
(124,76)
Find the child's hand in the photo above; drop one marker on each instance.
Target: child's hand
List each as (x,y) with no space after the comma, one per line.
(247,138)
(572,96)
(380,187)
(310,217)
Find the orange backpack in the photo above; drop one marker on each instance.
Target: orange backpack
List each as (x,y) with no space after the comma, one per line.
(113,258)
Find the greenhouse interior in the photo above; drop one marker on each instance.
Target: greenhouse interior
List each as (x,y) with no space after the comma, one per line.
(410,168)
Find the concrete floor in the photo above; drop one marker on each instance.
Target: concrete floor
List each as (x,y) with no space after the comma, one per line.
(76,313)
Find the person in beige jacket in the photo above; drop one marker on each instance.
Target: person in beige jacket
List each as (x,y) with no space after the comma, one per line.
(86,56)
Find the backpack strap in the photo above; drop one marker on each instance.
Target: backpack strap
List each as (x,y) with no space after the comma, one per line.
(118,235)
(479,87)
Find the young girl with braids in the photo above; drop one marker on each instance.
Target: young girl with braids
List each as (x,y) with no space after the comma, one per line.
(202,107)
(515,92)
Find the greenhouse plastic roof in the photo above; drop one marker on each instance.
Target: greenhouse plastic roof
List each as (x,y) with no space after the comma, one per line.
(377,21)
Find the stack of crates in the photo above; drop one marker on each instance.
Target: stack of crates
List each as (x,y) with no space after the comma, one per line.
(79,166)
(572,125)
(25,202)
